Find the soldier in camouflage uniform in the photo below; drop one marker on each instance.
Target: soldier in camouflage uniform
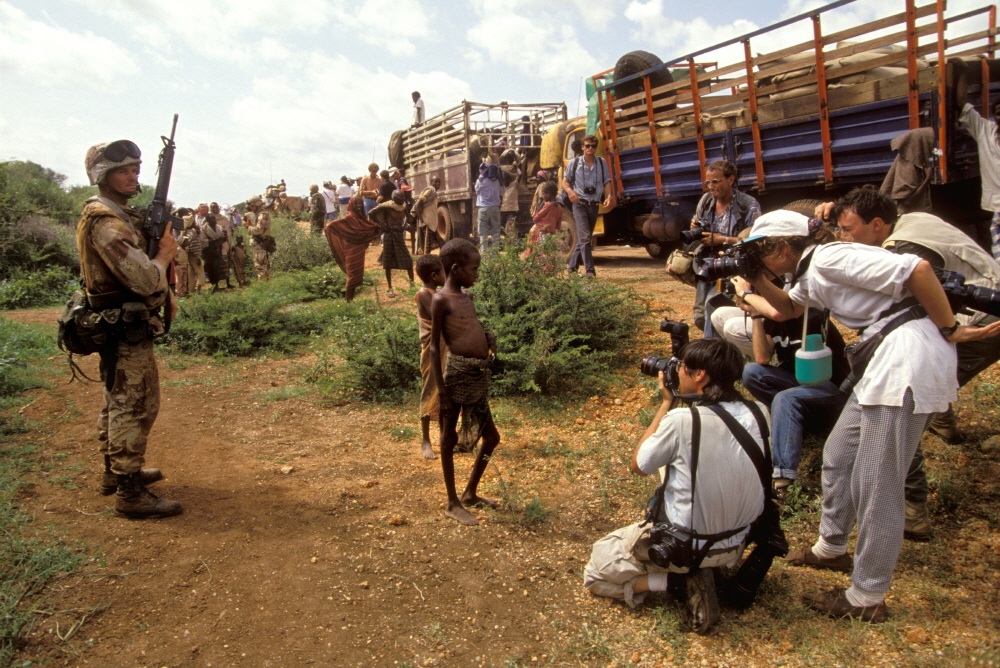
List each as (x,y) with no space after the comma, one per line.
(258,224)
(129,289)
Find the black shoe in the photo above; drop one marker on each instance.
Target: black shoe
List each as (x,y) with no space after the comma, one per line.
(109,481)
(136,502)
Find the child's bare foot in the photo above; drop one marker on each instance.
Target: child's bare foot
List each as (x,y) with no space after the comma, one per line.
(459,513)
(476,500)
(427,450)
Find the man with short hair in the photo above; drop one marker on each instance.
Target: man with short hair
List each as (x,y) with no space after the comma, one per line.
(586,184)
(368,187)
(868,217)
(418,109)
(722,213)
(118,277)
(225,222)
(330,204)
(713,502)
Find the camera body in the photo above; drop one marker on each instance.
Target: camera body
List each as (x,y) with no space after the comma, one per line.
(589,190)
(693,234)
(739,260)
(652,365)
(669,546)
(964,296)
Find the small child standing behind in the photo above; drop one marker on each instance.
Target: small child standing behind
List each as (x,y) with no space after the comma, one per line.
(465,383)
(431,273)
(546,220)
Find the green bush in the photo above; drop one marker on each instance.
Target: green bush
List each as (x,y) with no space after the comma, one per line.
(266,317)
(298,248)
(371,353)
(555,335)
(19,345)
(41,288)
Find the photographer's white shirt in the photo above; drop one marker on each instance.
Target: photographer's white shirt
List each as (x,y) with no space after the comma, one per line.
(729,493)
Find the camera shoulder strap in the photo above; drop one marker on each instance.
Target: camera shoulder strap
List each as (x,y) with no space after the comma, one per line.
(654,507)
(761,458)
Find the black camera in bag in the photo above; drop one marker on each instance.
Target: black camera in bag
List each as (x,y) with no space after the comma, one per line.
(671,546)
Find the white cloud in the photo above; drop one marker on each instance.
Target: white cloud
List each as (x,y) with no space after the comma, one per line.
(525,36)
(51,56)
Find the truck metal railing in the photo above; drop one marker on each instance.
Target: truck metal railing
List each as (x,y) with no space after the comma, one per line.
(454,130)
(812,78)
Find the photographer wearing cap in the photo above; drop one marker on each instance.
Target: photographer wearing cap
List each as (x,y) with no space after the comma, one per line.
(710,506)
(129,290)
(897,300)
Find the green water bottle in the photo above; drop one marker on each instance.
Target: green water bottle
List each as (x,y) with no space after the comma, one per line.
(813,361)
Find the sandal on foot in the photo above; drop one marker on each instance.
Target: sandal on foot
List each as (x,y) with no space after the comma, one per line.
(843,563)
(390,294)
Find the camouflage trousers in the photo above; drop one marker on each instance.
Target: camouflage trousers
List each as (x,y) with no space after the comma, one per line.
(262,263)
(130,407)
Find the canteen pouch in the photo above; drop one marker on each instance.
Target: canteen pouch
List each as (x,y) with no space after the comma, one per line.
(135,322)
(81,331)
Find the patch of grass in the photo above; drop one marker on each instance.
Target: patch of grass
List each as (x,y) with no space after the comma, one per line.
(19,346)
(285,393)
(591,643)
(535,513)
(52,285)
(26,563)
(404,434)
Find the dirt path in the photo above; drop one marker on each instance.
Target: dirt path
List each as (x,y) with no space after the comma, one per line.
(314,534)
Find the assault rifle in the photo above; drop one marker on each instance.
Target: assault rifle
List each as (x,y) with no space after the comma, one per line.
(158,214)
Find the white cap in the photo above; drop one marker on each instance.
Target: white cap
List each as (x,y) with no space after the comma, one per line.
(780,223)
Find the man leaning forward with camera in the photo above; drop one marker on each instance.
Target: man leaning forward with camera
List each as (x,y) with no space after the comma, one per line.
(711,488)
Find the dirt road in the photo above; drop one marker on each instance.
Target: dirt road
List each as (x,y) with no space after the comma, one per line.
(314,535)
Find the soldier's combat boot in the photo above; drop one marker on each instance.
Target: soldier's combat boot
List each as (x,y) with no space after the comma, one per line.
(109,481)
(137,502)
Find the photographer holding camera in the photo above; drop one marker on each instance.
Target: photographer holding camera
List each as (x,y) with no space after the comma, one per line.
(722,213)
(867,216)
(896,300)
(701,516)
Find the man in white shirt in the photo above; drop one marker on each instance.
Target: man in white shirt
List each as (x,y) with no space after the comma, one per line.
(418,109)
(726,495)
(984,131)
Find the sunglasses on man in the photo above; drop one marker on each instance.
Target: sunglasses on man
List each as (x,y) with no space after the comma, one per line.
(590,145)
(117,151)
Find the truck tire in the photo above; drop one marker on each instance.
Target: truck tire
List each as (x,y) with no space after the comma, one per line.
(660,249)
(444,227)
(637,61)
(567,228)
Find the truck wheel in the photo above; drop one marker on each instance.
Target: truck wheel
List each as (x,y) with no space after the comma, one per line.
(637,61)
(444,228)
(567,228)
(659,250)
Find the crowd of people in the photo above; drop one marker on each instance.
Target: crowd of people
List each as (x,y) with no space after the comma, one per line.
(873,261)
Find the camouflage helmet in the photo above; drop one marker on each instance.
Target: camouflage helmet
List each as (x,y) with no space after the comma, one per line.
(102,158)
(313,188)
(255,199)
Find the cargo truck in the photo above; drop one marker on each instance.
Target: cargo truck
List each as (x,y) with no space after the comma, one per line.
(810,120)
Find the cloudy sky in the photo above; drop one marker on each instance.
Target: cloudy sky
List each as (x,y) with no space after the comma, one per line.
(307,90)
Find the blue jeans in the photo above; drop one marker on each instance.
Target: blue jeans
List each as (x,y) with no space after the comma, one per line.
(489,226)
(370,204)
(585,219)
(704,290)
(792,407)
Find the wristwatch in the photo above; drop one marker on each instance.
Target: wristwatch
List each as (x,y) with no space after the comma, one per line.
(948,331)
(744,294)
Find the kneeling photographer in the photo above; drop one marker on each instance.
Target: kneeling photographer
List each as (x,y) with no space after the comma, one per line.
(716,468)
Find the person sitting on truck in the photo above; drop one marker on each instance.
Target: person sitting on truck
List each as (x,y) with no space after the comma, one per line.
(984,131)
(722,213)
(586,185)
